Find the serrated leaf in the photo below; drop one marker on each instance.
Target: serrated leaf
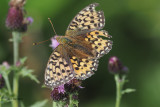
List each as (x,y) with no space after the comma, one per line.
(40,104)
(128,90)
(33,77)
(22,60)
(28,73)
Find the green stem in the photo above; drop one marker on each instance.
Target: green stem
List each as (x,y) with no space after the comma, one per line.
(54,104)
(0,99)
(8,84)
(16,38)
(60,104)
(72,102)
(118,91)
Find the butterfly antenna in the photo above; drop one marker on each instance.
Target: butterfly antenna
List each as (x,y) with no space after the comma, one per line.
(52,25)
(48,39)
(40,42)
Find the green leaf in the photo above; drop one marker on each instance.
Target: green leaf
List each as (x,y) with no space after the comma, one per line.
(22,60)
(4,70)
(40,104)
(5,97)
(128,90)
(28,73)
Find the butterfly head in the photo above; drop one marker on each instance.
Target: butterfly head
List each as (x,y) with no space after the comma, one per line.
(54,42)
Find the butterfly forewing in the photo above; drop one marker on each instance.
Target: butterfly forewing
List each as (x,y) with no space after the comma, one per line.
(59,68)
(86,20)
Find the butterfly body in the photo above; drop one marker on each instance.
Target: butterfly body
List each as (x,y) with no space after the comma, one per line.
(79,50)
(63,39)
(77,47)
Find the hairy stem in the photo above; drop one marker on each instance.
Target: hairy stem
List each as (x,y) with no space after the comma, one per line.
(16,38)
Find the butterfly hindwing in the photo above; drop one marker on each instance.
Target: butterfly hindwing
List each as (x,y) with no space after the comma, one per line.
(102,46)
(86,20)
(59,68)
(84,68)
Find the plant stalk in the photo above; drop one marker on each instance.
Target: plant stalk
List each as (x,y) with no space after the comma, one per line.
(16,38)
(118,90)
(8,84)
(72,102)
(54,104)
(0,99)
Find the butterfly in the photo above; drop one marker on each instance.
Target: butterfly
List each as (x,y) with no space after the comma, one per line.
(79,50)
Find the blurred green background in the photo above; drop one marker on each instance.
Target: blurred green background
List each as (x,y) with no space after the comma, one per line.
(135,28)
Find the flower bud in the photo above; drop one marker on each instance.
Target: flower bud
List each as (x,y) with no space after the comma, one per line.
(15,19)
(116,67)
(6,64)
(18,63)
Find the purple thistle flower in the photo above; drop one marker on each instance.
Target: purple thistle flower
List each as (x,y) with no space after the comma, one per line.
(59,93)
(115,66)
(28,20)
(2,82)
(54,42)
(61,89)
(15,19)
(73,86)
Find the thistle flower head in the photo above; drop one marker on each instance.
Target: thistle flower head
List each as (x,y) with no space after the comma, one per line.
(2,82)
(73,86)
(116,67)
(15,19)
(61,89)
(58,93)
(54,42)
